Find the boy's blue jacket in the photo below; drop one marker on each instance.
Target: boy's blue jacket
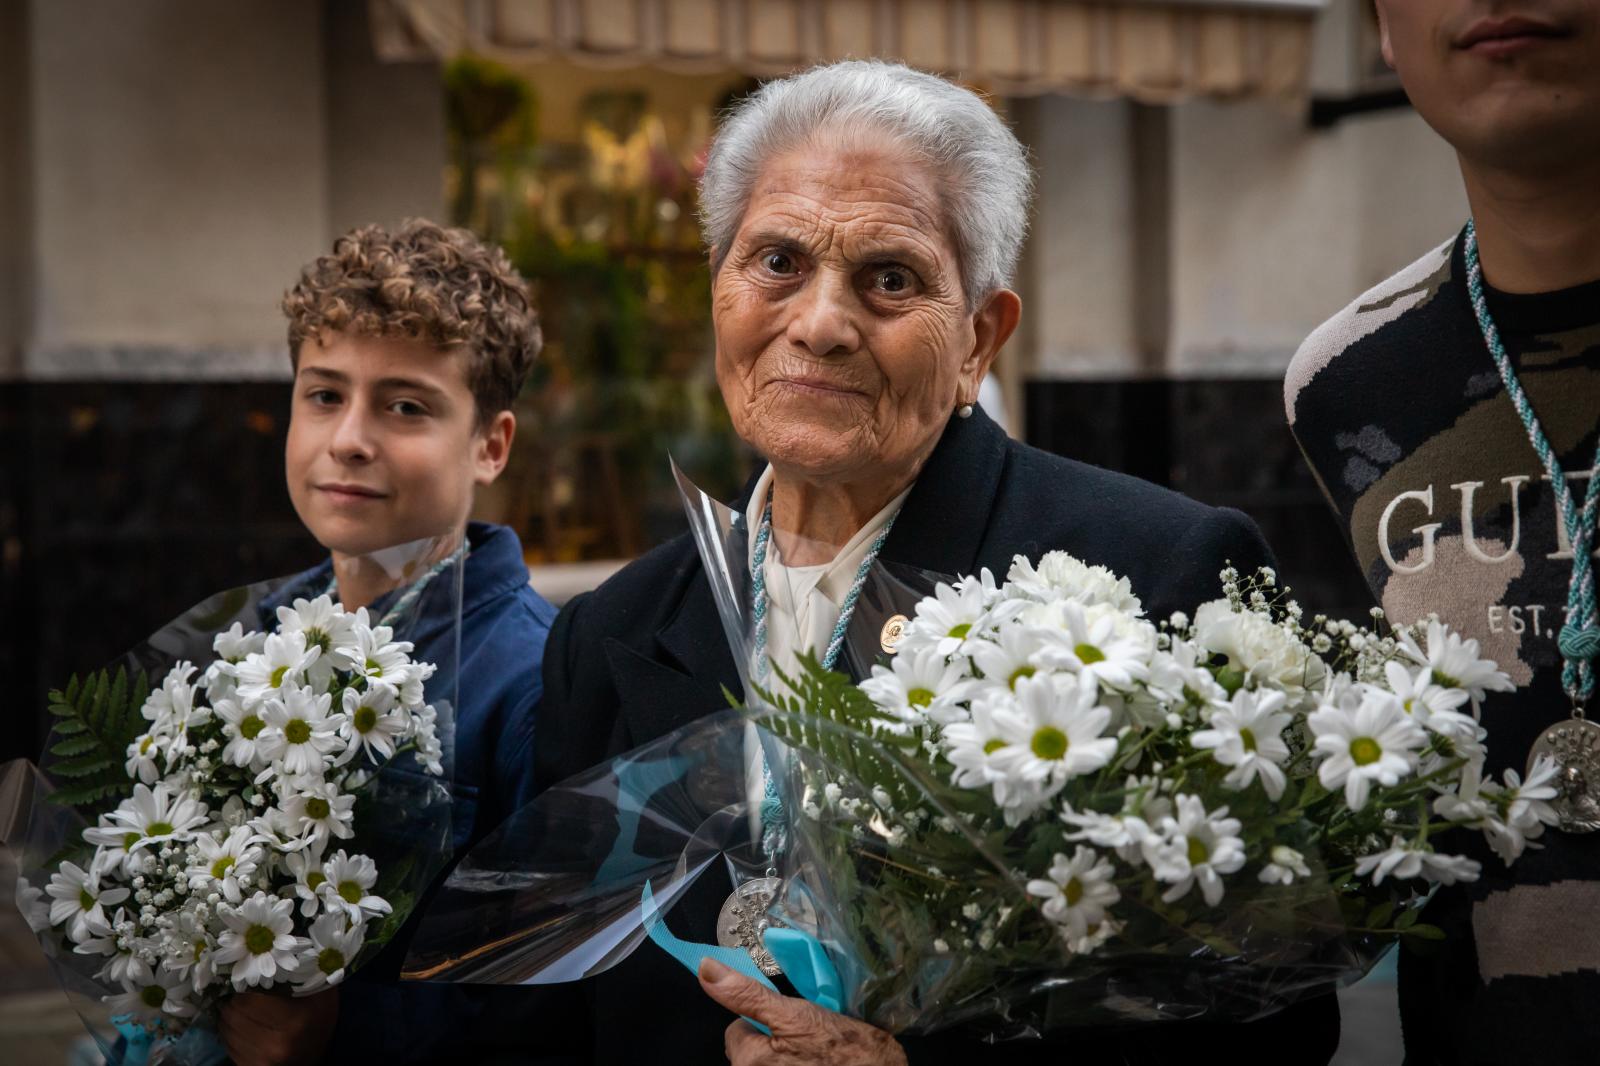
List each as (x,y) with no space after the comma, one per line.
(504,623)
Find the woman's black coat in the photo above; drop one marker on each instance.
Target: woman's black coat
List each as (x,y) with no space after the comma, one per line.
(645,653)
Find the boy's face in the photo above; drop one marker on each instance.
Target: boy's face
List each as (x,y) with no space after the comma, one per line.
(384,444)
(1509,83)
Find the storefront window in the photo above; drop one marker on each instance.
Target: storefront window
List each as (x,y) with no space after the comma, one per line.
(587,178)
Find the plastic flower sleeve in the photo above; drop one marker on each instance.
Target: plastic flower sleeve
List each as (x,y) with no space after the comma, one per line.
(555,893)
(265,759)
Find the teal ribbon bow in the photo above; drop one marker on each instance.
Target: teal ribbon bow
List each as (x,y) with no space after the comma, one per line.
(804,961)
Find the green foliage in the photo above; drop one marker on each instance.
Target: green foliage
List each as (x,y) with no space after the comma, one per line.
(96,720)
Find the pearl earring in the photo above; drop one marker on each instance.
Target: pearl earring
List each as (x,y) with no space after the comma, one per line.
(964,411)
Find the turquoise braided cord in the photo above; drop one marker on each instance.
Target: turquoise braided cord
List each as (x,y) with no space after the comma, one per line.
(1579,640)
(836,642)
(758,593)
(772,830)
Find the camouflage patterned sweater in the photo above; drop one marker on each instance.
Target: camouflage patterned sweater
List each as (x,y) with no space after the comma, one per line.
(1402,415)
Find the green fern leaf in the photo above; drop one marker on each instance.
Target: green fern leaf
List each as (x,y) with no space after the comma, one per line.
(76,746)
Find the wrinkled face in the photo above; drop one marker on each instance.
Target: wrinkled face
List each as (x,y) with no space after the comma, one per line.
(843,338)
(1509,83)
(384,447)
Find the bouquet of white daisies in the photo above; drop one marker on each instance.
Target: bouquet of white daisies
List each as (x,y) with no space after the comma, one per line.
(257,822)
(1047,809)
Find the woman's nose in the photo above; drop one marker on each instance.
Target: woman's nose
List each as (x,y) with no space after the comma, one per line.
(823,321)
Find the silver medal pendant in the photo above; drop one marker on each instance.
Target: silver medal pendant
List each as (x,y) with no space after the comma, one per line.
(1574,745)
(743,921)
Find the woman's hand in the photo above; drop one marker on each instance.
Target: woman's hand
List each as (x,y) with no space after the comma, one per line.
(263,1030)
(802,1033)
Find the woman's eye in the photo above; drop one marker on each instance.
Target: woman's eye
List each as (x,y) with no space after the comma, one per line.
(323,397)
(893,280)
(779,263)
(407,408)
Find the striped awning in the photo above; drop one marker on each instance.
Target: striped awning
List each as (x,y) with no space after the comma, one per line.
(1151,50)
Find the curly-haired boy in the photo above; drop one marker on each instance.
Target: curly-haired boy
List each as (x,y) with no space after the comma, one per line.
(409,349)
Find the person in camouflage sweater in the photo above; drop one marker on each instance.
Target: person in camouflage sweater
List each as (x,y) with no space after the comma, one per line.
(1405,419)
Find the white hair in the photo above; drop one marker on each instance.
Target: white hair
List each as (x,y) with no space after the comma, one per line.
(983,169)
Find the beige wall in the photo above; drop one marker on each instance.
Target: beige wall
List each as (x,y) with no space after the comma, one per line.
(1079,279)
(1272,227)
(1275,226)
(186,158)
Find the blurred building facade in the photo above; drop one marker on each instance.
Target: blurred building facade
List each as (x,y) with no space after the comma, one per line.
(168,166)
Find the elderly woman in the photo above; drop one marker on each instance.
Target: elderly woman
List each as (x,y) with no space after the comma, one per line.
(864,221)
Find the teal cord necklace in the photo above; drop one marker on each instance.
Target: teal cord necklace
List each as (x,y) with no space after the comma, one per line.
(772,832)
(1575,744)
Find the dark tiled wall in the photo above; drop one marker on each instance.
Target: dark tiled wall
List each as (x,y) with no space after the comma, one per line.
(1224,442)
(120,506)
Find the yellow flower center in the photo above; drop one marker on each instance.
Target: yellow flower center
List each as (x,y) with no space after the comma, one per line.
(919,697)
(1365,751)
(1249,739)
(1089,654)
(297,731)
(250,726)
(1049,743)
(1198,852)
(1073,891)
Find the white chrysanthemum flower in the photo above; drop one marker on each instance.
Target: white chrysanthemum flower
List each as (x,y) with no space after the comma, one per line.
(77,898)
(280,831)
(1286,865)
(1078,891)
(33,905)
(1053,732)
(972,748)
(319,810)
(149,817)
(1104,647)
(171,709)
(348,887)
(1143,807)
(232,648)
(335,943)
(1060,576)
(919,687)
(1418,695)
(1258,649)
(259,940)
(374,654)
(305,866)
(234,645)
(142,754)
(1092,939)
(299,733)
(222,865)
(1454,662)
(1013,653)
(373,722)
(243,729)
(951,620)
(1471,801)
(1403,860)
(164,993)
(1248,736)
(1195,848)
(1178,677)
(327,627)
(1527,810)
(424,730)
(279,667)
(1378,742)
(125,963)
